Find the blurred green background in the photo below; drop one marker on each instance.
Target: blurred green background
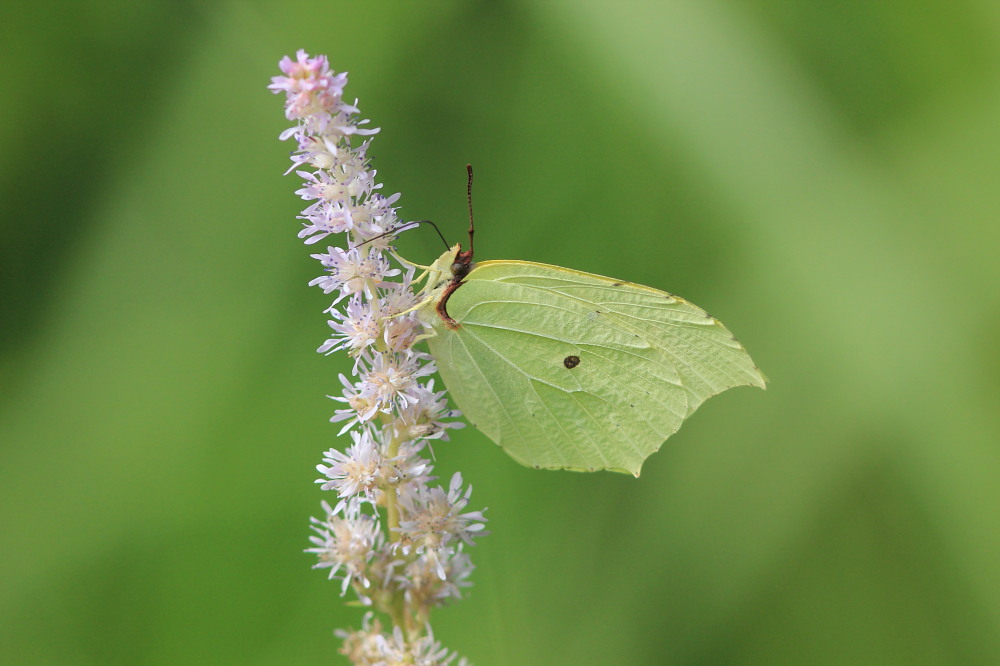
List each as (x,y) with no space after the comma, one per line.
(821,176)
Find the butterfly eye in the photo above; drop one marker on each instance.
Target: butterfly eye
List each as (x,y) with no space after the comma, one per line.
(460,269)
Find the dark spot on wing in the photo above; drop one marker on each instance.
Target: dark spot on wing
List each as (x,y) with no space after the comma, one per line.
(571,362)
(617,284)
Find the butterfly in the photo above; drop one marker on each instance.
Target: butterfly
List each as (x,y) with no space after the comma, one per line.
(569,370)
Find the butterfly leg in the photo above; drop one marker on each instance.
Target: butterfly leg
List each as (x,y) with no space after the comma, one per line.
(416,307)
(423,336)
(403,261)
(431,333)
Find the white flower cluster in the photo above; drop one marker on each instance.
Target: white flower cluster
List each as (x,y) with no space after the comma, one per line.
(411,559)
(370,645)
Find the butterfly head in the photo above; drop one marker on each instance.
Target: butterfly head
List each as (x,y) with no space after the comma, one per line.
(442,271)
(462,264)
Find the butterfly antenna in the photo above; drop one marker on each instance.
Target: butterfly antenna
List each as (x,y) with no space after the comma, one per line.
(405,227)
(472,226)
(440,235)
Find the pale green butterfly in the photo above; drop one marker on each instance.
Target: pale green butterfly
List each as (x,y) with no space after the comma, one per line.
(569,370)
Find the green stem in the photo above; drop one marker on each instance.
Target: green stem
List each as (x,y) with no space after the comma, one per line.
(402,616)
(391,497)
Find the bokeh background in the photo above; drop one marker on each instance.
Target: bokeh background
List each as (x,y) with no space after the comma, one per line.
(821,176)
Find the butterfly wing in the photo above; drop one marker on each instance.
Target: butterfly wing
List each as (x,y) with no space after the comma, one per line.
(568,370)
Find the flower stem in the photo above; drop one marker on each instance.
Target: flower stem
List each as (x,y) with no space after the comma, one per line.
(391,496)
